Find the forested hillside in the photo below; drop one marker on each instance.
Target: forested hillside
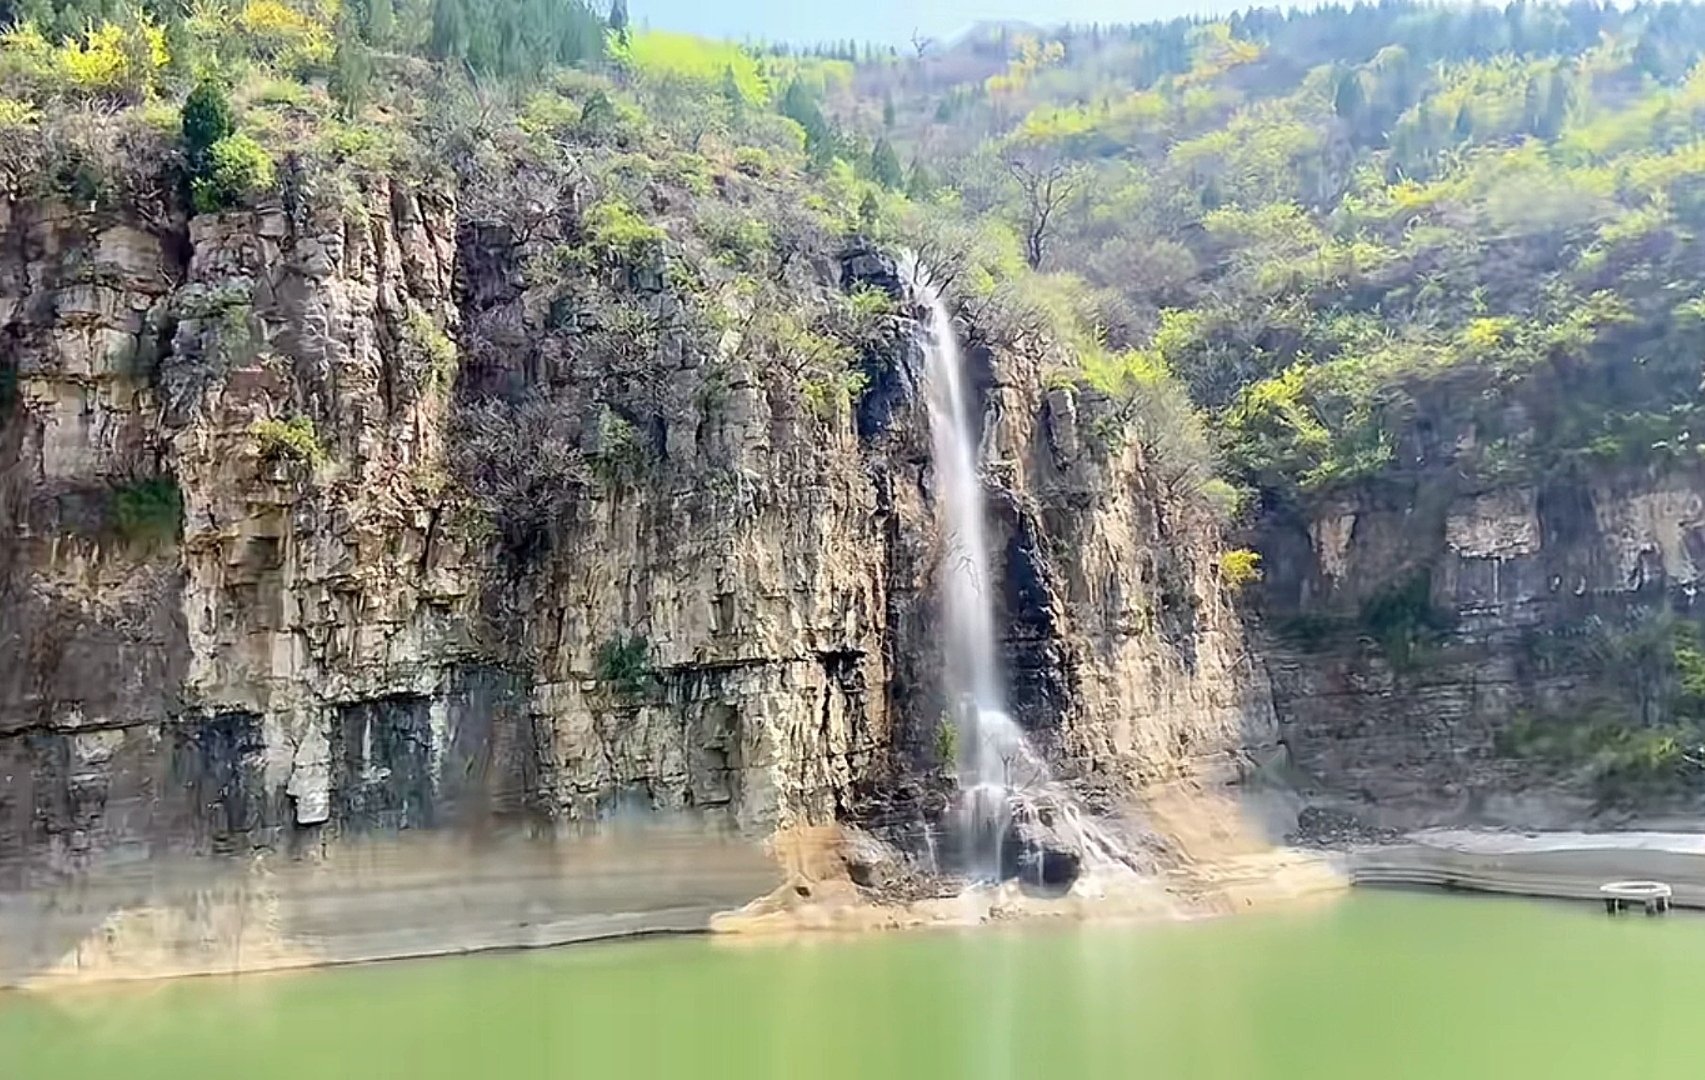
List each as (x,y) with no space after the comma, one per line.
(1309,217)
(1300,217)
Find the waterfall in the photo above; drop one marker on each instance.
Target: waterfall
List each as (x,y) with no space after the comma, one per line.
(996,763)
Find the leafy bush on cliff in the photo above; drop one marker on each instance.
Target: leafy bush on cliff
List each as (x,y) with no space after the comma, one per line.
(148,512)
(625,663)
(236,168)
(1403,620)
(621,235)
(1239,568)
(293,439)
(430,349)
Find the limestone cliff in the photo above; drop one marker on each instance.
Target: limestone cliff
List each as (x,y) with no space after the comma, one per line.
(1422,630)
(260,598)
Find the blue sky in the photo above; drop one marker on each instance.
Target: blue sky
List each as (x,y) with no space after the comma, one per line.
(807,21)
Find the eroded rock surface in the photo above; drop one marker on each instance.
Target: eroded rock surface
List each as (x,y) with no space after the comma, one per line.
(328,641)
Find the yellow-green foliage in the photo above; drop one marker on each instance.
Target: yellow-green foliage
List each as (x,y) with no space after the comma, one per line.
(1031,57)
(822,76)
(546,112)
(289,34)
(238,167)
(1487,335)
(1239,567)
(1122,372)
(753,161)
(738,240)
(1215,51)
(108,58)
(1253,159)
(18,114)
(660,56)
(433,346)
(1494,92)
(294,439)
(620,235)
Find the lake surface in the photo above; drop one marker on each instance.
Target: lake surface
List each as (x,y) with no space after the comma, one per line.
(1380,984)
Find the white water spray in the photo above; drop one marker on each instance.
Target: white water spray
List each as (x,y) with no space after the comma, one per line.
(996,762)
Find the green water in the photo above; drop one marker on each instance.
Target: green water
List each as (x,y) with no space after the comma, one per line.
(1379,985)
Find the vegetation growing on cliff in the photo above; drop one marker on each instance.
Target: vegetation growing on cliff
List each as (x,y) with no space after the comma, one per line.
(292,440)
(148,513)
(1299,249)
(1642,734)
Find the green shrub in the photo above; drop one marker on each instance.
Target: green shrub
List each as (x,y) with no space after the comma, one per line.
(625,662)
(753,161)
(434,348)
(691,171)
(293,439)
(739,241)
(621,456)
(148,512)
(621,235)
(598,118)
(1623,760)
(1402,620)
(364,146)
(832,392)
(1225,499)
(870,302)
(237,167)
(1310,631)
(946,741)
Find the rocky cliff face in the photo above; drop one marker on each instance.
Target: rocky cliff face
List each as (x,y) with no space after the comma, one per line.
(1412,628)
(253,609)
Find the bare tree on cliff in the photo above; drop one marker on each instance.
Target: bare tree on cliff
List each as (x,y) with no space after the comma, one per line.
(1046,179)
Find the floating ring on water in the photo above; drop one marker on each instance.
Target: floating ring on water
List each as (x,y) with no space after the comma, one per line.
(1636,890)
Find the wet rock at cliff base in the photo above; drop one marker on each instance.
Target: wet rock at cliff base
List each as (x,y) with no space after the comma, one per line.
(871,862)
(1322,826)
(1037,850)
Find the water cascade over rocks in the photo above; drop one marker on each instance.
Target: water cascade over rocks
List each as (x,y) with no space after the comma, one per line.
(1014,821)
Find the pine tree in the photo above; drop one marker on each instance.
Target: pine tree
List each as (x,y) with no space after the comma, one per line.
(1533,106)
(183,52)
(206,119)
(888,110)
(1464,130)
(619,20)
(1559,100)
(578,33)
(798,105)
(733,98)
(919,184)
(352,68)
(449,40)
(868,210)
(485,45)
(138,51)
(1349,99)
(381,23)
(885,165)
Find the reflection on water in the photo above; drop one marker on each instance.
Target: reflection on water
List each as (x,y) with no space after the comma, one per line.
(1386,985)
